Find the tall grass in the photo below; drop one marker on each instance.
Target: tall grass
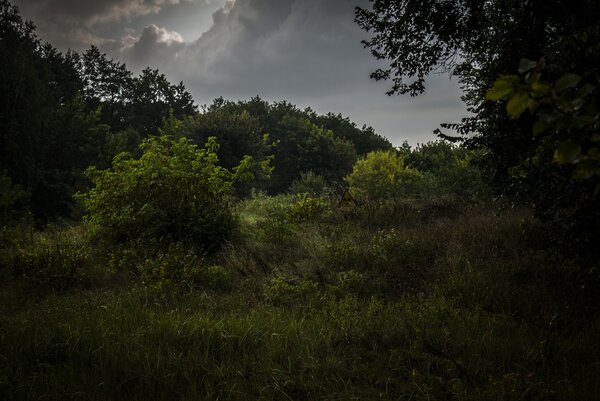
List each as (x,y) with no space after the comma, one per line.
(433,307)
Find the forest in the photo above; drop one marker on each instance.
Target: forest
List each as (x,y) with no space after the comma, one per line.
(155,249)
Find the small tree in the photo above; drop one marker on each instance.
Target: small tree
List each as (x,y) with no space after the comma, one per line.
(174,192)
(383,175)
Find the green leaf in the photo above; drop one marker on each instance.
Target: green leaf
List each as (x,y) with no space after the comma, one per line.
(567,81)
(539,127)
(532,105)
(585,169)
(517,104)
(540,88)
(568,151)
(503,87)
(526,65)
(517,172)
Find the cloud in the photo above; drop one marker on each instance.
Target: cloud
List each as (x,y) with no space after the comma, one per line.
(153,47)
(302,45)
(92,12)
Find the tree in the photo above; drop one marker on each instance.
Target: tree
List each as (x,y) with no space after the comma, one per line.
(47,136)
(301,143)
(567,157)
(60,113)
(477,41)
(365,140)
(383,175)
(154,98)
(239,135)
(108,85)
(450,170)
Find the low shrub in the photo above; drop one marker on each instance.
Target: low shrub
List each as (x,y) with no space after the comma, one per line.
(306,207)
(181,266)
(53,260)
(217,277)
(285,292)
(349,282)
(389,247)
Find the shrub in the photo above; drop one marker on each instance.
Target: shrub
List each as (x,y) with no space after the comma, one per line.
(54,260)
(449,170)
(383,175)
(310,183)
(402,262)
(349,282)
(272,216)
(178,264)
(217,277)
(347,253)
(306,207)
(175,192)
(389,247)
(283,292)
(181,265)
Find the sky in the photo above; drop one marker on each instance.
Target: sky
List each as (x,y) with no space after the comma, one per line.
(307,52)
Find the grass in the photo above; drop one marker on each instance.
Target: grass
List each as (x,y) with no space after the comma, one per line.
(434,306)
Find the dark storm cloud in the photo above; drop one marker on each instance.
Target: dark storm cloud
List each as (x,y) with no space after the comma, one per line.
(154,43)
(303,46)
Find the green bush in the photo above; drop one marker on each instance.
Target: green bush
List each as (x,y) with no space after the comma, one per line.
(284,292)
(401,262)
(273,221)
(389,247)
(178,264)
(347,253)
(349,282)
(449,171)
(217,277)
(175,192)
(182,266)
(384,175)
(310,183)
(306,207)
(54,260)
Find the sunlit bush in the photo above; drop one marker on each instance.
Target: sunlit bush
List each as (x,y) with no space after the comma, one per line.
(384,175)
(306,207)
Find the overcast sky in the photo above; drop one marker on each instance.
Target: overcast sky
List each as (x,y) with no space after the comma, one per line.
(308,52)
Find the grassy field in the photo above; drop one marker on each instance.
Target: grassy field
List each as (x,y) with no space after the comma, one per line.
(397,301)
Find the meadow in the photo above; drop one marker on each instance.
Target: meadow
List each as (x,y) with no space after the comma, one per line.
(397,300)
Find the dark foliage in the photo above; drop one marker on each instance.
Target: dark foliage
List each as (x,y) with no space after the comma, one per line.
(478,41)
